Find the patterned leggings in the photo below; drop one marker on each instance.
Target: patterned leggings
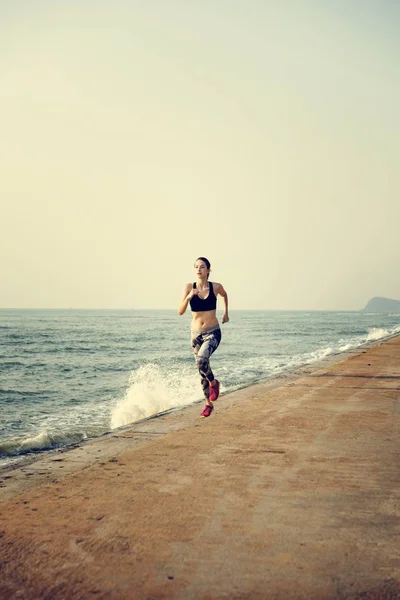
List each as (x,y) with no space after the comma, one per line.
(203,344)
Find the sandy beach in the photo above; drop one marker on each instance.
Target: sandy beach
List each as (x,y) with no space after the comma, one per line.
(289,490)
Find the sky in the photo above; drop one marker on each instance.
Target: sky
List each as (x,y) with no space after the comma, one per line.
(137,136)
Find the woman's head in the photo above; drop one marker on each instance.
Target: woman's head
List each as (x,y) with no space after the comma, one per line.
(202,266)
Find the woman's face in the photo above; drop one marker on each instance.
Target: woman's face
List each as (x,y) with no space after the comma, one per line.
(200,268)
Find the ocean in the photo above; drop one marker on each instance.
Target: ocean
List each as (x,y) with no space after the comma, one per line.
(70,375)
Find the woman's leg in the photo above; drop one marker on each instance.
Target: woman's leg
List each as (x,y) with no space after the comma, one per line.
(196,345)
(203,346)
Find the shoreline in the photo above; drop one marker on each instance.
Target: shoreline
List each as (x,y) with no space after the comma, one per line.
(37,468)
(69,422)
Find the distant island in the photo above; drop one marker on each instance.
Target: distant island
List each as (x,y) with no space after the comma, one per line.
(378,304)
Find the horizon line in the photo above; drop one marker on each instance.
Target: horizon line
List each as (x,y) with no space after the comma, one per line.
(173,309)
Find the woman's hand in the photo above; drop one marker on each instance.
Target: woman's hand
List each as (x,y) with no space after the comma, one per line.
(225,318)
(193,292)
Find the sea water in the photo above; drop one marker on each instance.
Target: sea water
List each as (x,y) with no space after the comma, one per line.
(69,375)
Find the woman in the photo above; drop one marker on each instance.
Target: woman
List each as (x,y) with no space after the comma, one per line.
(205,330)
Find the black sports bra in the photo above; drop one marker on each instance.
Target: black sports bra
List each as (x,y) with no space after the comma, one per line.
(198,304)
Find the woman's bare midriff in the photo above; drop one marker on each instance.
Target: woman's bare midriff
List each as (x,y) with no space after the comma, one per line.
(204,320)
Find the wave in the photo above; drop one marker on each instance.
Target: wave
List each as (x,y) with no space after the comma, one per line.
(263,367)
(377,333)
(39,393)
(373,335)
(153,389)
(42,441)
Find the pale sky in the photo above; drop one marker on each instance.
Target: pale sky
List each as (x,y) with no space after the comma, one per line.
(138,135)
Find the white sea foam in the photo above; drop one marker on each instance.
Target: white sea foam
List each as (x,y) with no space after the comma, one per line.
(153,389)
(38,442)
(43,440)
(320,354)
(345,347)
(376,333)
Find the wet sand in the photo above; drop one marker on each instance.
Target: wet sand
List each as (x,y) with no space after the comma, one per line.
(290,490)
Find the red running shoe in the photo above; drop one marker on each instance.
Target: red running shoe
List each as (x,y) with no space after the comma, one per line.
(214,391)
(207,411)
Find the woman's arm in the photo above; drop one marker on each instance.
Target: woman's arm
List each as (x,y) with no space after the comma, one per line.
(188,293)
(222,292)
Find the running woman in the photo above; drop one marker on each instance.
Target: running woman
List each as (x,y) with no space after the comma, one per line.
(205,329)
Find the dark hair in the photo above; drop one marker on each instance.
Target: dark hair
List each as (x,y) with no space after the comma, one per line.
(208,264)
